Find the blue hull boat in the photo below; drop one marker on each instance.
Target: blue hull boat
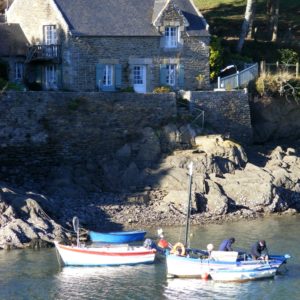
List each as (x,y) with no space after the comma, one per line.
(120,237)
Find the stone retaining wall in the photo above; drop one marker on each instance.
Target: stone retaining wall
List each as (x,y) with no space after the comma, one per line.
(226,112)
(53,128)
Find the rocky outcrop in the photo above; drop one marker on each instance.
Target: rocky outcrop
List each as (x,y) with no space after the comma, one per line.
(227,185)
(275,118)
(23,222)
(251,189)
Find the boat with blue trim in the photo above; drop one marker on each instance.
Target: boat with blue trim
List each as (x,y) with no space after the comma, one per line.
(182,261)
(242,273)
(107,255)
(117,237)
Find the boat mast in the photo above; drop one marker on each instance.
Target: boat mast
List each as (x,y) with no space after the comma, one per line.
(76,229)
(188,212)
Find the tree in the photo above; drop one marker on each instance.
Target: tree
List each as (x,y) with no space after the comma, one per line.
(4,4)
(250,30)
(215,57)
(249,15)
(273,14)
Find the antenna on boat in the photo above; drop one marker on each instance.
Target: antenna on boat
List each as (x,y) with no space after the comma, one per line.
(76,228)
(188,213)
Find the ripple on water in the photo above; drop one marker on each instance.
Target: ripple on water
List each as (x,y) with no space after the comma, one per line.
(122,282)
(198,289)
(30,274)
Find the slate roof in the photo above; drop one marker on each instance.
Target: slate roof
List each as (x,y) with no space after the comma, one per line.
(197,23)
(12,40)
(122,17)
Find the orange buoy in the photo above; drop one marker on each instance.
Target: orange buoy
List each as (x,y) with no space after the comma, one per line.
(178,249)
(163,244)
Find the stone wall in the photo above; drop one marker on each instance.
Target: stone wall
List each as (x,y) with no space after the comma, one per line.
(226,112)
(55,128)
(33,15)
(79,68)
(80,55)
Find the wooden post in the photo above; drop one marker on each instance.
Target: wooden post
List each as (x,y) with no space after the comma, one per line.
(262,67)
(297,70)
(237,79)
(277,66)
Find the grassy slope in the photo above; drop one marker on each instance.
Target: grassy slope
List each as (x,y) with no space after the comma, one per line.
(225,18)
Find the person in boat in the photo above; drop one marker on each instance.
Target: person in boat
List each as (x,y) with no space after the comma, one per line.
(259,250)
(226,245)
(163,243)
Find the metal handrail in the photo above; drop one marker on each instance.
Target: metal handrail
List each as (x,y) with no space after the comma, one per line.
(36,52)
(239,79)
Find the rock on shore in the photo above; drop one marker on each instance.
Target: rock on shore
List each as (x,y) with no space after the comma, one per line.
(23,223)
(228,184)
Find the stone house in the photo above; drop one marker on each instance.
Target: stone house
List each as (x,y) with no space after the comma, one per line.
(109,45)
(13,49)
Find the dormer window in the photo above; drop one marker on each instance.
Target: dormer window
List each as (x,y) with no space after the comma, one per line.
(171,37)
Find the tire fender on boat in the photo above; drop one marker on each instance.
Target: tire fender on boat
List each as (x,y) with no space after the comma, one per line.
(178,249)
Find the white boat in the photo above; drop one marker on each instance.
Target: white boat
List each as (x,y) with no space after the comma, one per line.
(109,255)
(243,273)
(193,263)
(197,267)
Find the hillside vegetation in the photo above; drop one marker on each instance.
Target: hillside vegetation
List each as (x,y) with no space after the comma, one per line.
(225,18)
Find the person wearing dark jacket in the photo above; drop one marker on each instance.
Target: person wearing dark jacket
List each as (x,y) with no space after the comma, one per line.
(226,245)
(259,250)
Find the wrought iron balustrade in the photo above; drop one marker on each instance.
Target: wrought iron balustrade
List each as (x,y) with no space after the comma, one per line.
(44,53)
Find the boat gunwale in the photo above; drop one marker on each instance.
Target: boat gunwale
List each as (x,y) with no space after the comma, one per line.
(104,253)
(120,233)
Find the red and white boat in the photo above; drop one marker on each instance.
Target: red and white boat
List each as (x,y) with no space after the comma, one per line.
(107,255)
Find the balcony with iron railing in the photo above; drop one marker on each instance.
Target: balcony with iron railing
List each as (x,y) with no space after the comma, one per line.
(50,53)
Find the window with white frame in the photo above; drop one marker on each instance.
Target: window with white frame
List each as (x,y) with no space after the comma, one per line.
(171,74)
(50,40)
(137,75)
(107,75)
(19,70)
(50,35)
(51,77)
(171,37)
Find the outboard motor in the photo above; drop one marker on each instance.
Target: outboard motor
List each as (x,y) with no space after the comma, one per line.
(149,244)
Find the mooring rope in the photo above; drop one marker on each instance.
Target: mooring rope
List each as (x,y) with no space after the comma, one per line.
(83,230)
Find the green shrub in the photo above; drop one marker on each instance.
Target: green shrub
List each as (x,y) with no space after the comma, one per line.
(283,84)
(3,70)
(15,86)
(5,85)
(128,89)
(162,90)
(215,57)
(288,56)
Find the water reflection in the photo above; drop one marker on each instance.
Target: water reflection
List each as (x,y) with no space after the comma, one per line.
(122,282)
(206,289)
(31,274)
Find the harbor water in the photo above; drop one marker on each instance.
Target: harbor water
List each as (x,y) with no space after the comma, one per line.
(36,274)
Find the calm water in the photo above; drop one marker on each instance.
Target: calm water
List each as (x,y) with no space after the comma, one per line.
(28,274)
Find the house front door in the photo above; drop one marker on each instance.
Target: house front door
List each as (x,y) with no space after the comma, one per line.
(139,78)
(50,82)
